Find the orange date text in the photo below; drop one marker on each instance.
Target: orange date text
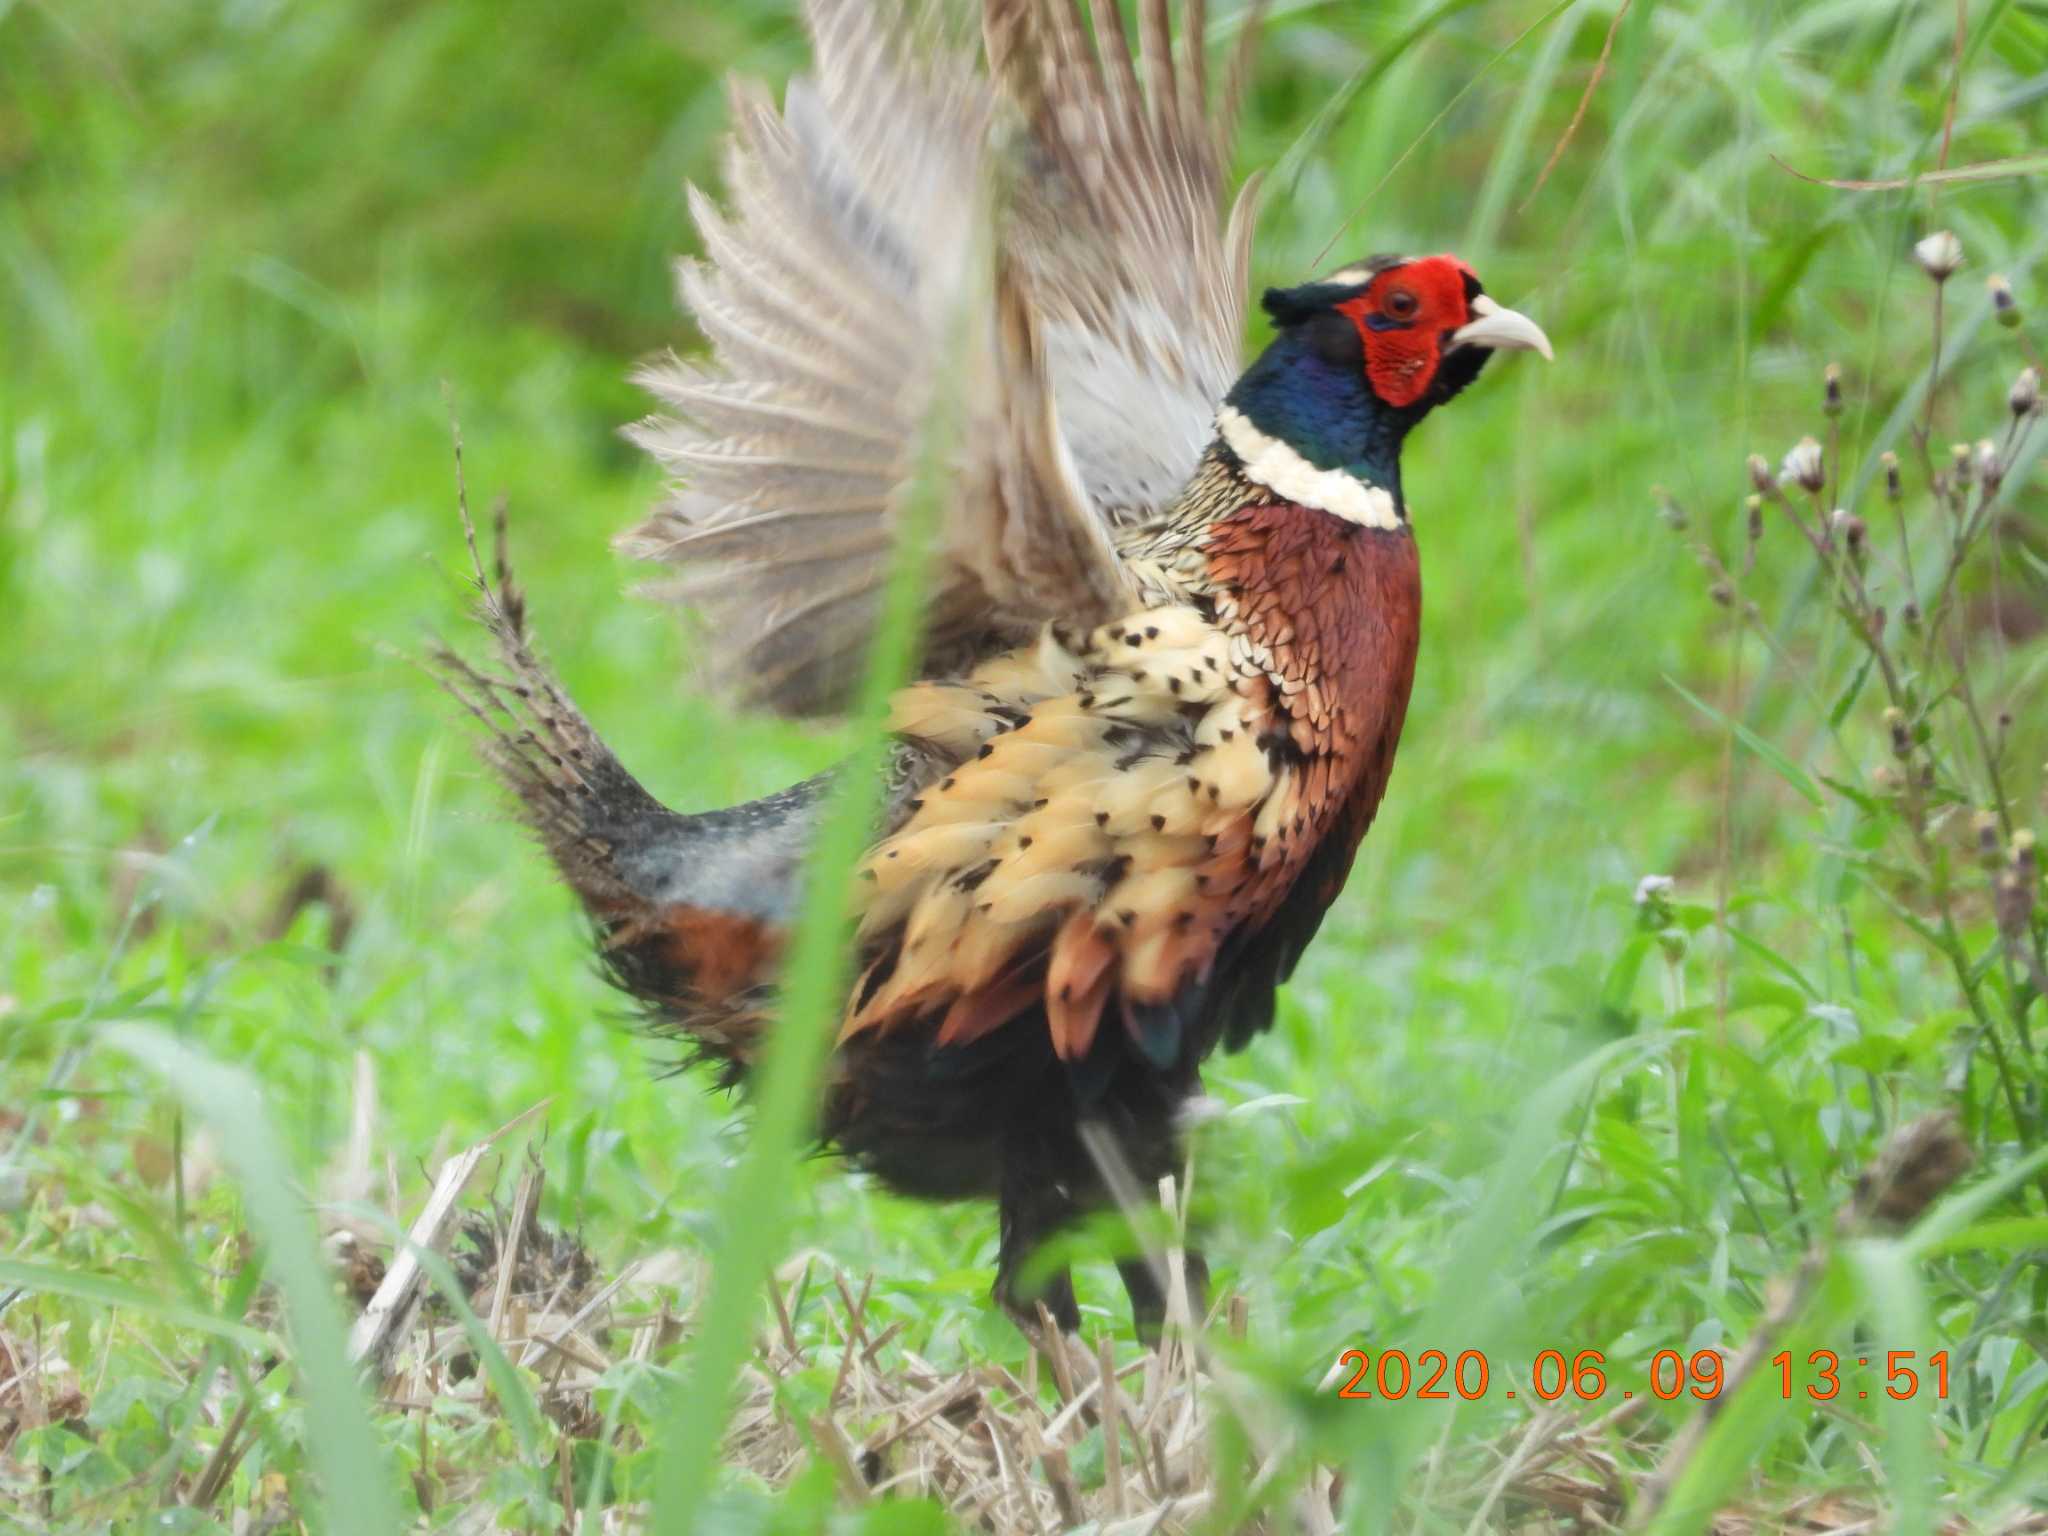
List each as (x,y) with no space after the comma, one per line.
(1436,1375)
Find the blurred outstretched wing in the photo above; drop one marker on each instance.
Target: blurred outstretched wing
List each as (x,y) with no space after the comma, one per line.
(1044,237)
(1115,227)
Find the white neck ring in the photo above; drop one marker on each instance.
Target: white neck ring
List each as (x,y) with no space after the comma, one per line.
(1284,472)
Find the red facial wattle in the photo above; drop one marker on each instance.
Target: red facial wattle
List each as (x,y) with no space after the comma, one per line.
(1402,317)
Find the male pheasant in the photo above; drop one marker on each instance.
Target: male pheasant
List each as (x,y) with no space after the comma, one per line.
(1169,638)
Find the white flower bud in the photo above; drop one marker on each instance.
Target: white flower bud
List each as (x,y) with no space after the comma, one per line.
(1650,887)
(1939,254)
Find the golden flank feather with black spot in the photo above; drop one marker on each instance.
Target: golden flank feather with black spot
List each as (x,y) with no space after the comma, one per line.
(1168,648)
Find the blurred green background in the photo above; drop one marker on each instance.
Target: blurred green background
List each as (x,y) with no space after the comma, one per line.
(250,251)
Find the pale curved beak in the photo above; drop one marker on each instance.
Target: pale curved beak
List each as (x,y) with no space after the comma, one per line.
(1504,330)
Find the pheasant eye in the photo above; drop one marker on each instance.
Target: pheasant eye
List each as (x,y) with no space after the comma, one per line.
(1400,304)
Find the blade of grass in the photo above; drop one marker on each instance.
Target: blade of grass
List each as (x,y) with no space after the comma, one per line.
(1778,762)
(1744,1420)
(1511,153)
(354,1480)
(1287,169)
(1941,1225)
(1895,1301)
(601,1463)
(753,1208)
(105,1291)
(1430,127)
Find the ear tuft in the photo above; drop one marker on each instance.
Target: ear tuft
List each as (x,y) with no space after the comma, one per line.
(1286,306)
(1293,306)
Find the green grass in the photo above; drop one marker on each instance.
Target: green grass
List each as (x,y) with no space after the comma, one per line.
(242,248)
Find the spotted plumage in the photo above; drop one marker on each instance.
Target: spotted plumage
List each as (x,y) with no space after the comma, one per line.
(1171,634)
(1113,809)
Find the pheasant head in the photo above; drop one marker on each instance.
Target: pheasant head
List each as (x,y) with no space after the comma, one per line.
(1359,358)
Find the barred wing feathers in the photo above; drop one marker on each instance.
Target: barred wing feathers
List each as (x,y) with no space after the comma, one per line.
(1102,324)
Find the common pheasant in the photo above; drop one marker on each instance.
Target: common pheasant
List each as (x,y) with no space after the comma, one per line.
(1168,639)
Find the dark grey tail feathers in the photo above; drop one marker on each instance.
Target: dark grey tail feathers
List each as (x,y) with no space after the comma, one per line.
(689,909)
(578,799)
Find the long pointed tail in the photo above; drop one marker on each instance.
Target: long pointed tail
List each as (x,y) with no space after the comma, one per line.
(690,909)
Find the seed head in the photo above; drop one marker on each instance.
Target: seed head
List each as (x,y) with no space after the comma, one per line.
(1754,506)
(1939,255)
(1890,461)
(1760,475)
(2024,398)
(1851,530)
(1902,739)
(1805,465)
(1910,615)
(2012,902)
(1986,827)
(1669,511)
(1960,457)
(1722,594)
(1831,389)
(1990,469)
(2003,304)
